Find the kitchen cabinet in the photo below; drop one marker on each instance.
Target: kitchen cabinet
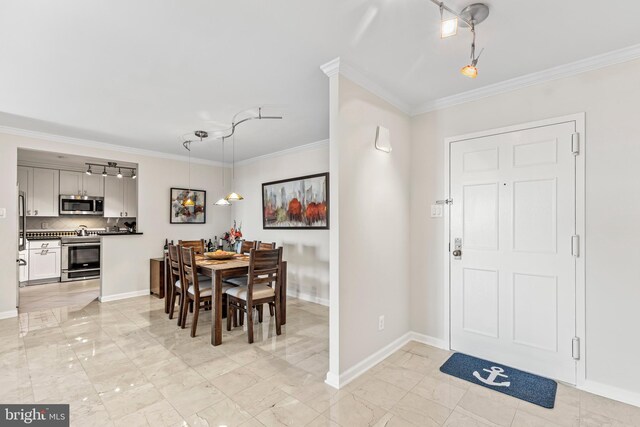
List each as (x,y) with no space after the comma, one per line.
(79,183)
(130,198)
(44,260)
(120,197)
(42,190)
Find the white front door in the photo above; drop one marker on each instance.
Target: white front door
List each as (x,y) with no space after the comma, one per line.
(513,288)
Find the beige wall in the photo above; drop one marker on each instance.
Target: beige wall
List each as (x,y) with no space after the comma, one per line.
(610,99)
(374,224)
(306,251)
(125,258)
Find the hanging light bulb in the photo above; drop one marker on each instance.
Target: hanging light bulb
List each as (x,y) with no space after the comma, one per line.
(104,171)
(89,172)
(222,201)
(189,201)
(471,70)
(119,173)
(233,196)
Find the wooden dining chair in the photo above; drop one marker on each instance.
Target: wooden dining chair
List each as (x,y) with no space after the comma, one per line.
(246,247)
(196,291)
(262,246)
(263,287)
(197,245)
(175,279)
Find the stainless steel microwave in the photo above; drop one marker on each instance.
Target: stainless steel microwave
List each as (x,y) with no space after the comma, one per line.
(81,205)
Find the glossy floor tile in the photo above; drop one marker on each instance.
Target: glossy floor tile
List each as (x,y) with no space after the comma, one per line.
(124,363)
(54,295)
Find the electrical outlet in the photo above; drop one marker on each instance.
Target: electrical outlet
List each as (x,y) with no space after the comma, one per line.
(381,323)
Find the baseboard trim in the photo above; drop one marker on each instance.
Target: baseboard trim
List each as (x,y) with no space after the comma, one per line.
(116,297)
(369,362)
(9,314)
(429,340)
(309,298)
(333,380)
(611,392)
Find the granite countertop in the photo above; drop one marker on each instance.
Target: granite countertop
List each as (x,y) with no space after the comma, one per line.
(118,233)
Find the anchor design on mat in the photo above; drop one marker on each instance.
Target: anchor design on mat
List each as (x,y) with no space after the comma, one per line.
(494,373)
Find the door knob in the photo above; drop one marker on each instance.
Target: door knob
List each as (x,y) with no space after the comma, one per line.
(457,248)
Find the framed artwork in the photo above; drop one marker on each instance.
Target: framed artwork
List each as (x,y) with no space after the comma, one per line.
(296,203)
(181,214)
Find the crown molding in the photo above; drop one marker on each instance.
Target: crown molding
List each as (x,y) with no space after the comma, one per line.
(332,67)
(306,147)
(105,146)
(336,66)
(567,70)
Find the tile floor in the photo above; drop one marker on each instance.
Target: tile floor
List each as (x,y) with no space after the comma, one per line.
(124,363)
(42,297)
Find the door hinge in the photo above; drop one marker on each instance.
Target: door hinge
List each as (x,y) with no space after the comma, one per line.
(444,202)
(575,245)
(575,144)
(575,348)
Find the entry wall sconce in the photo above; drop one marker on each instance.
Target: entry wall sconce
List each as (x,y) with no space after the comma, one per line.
(383,139)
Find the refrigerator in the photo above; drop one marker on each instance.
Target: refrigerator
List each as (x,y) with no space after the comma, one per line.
(23,253)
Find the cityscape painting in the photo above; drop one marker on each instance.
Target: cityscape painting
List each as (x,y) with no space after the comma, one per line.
(296,203)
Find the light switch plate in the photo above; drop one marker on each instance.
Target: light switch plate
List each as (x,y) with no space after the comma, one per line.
(436,211)
(3,213)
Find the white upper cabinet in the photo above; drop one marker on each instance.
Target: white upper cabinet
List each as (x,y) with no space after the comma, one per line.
(93,185)
(70,183)
(42,189)
(79,183)
(45,192)
(130,197)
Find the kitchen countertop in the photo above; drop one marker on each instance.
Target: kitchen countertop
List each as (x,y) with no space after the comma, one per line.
(118,233)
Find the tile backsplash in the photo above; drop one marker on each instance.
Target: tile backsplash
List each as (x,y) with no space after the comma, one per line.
(72,222)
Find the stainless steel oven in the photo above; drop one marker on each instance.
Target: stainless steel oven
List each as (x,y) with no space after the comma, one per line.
(81,205)
(80,258)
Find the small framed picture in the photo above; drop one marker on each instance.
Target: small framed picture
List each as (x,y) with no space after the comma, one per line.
(188,206)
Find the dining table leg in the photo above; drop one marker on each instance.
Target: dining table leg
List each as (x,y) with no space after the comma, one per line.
(167,289)
(216,321)
(283,295)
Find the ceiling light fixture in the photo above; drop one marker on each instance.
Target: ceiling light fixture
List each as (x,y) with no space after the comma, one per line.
(233,196)
(448,27)
(119,175)
(189,202)
(89,172)
(104,171)
(470,17)
(134,175)
(222,201)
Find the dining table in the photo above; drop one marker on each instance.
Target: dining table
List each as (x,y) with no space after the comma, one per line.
(218,270)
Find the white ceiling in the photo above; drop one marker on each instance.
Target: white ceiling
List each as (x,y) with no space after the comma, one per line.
(142,73)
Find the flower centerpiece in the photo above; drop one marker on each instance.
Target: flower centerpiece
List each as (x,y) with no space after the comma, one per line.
(233,236)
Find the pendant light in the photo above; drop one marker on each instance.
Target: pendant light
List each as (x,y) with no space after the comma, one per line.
(222,201)
(471,70)
(233,196)
(189,201)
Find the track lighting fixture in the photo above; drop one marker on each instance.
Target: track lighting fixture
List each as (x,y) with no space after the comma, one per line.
(470,17)
(110,165)
(119,175)
(89,172)
(104,171)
